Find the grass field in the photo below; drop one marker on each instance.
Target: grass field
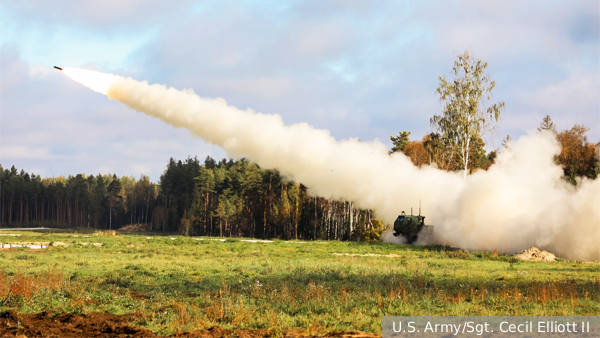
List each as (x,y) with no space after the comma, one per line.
(177,284)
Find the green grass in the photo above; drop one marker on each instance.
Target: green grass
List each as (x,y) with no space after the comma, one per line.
(187,284)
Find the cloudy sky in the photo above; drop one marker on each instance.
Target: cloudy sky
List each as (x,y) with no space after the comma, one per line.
(365,69)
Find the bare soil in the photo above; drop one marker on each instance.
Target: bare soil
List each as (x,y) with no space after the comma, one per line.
(43,324)
(136,227)
(535,254)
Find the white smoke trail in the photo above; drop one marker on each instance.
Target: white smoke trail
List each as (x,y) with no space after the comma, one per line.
(520,202)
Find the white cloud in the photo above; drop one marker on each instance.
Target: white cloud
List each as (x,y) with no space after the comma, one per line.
(266,87)
(39,70)
(365,69)
(23,152)
(138,169)
(577,93)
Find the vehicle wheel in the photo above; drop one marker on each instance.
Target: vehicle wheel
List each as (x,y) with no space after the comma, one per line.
(411,239)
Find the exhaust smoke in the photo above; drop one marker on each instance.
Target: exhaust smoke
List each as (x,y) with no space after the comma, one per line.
(521,201)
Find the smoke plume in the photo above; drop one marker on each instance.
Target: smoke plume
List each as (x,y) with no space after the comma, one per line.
(521,201)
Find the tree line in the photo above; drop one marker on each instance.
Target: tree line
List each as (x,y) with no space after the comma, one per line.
(102,201)
(227,198)
(578,157)
(238,198)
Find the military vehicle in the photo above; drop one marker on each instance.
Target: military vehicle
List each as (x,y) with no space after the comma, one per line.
(411,226)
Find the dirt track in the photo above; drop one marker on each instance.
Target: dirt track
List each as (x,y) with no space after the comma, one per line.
(109,325)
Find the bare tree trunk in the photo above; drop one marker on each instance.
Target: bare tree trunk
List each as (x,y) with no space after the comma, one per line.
(147,207)
(334,220)
(466,159)
(271,202)
(315,223)
(297,213)
(10,209)
(205,212)
(68,214)
(166,215)
(351,216)
(132,204)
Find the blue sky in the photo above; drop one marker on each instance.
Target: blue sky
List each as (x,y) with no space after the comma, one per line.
(365,69)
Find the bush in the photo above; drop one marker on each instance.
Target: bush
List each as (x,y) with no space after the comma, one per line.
(369,231)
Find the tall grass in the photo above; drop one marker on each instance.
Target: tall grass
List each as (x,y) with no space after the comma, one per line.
(186,284)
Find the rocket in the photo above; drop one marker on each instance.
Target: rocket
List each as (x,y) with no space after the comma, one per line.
(58,68)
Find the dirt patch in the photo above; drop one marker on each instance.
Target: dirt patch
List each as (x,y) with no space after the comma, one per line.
(38,251)
(108,325)
(535,254)
(59,244)
(69,325)
(138,295)
(136,227)
(217,331)
(352,334)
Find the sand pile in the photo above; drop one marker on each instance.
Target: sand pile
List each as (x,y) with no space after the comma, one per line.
(535,254)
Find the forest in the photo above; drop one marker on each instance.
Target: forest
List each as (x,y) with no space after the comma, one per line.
(237,198)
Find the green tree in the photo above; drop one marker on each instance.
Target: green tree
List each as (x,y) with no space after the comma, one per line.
(114,197)
(400,141)
(465,111)
(178,186)
(101,197)
(146,195)
(440,153)
(225,210)
(478,158)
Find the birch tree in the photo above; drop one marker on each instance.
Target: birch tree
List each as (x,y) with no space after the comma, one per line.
(467,111)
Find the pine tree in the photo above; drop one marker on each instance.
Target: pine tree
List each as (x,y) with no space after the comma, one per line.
(547,124)
(400,141)
(114,190)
